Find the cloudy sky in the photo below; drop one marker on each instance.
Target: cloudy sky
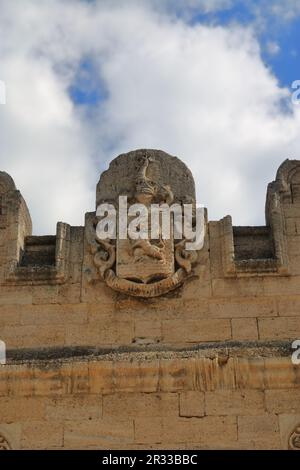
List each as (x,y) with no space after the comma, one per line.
(206,80)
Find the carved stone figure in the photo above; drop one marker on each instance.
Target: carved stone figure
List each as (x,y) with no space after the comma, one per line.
(143,267)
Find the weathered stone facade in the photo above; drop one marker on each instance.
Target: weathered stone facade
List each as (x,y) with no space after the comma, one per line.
(201,362)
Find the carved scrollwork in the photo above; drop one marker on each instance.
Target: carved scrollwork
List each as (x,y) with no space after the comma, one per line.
(103,251)
(105,257)
(154,289)
(184,258)
(4,444)
(294,440)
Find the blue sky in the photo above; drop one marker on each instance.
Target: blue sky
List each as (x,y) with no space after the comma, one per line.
(284,33)
(286,63)
(87,87)
(279,38)
(206,80)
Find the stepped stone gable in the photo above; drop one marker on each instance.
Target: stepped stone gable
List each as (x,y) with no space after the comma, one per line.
(109,351)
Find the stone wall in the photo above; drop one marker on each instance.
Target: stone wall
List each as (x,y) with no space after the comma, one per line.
(239,397)
(69,383)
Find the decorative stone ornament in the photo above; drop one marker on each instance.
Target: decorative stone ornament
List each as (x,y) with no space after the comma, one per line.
(294,440)
(143,267)
(4,444)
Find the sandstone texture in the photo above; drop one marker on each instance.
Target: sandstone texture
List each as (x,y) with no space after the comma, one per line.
(198,356)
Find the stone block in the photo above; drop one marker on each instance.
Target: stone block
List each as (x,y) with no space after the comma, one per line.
(15,409)
(73,408)
(134,405)
(289,306)
(42,435)
(191,404)
(98,433)
(259,432)
(280,372)
(101,376)
(279,328)
(242,308)
(284,401)
(236,287)
(209,430)
(194,331)
(176,375)
(288,423)
(11,435)
(234,402)
(29,336)
(244,329)
(147,331)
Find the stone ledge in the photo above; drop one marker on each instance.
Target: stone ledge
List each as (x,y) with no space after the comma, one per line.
(244,349)
(153,371)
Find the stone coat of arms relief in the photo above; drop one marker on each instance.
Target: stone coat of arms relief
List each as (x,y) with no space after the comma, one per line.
(143,267)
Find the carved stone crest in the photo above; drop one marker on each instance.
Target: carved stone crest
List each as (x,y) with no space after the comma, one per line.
(143,267)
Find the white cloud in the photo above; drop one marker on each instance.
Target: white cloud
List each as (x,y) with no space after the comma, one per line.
(189,6)
(285,9)
(202,93)
(272,48)
(274,14)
